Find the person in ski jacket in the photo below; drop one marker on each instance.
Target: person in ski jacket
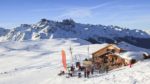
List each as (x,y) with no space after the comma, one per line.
(79,73)
(88,73)
(130,65)
(72,68)
(85,74)
(92,69)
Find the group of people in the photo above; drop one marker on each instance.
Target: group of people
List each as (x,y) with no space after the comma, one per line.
(88,71)
(84,71)
(80,70)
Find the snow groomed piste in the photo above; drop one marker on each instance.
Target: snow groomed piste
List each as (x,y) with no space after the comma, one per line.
(39,62)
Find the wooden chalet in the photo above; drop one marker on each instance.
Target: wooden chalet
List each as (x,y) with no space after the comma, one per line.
(108,57)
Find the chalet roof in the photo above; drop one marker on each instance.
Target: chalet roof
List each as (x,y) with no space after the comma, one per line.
(132,55)
(104,46)
(97,47)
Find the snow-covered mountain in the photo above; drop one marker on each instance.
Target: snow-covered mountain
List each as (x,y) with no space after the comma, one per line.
(3,31)
(47,29)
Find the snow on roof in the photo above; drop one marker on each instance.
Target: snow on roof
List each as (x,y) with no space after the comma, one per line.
(92,48)
(132,55)
(129,47)
(103,46)
(96,47)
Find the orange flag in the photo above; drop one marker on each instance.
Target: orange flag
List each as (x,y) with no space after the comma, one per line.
(64,59)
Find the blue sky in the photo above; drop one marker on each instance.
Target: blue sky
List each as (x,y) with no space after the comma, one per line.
(133,14)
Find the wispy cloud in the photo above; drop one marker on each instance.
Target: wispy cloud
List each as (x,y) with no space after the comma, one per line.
(46,9)
(8,25)
(80,12)
(76,13)
(99,6)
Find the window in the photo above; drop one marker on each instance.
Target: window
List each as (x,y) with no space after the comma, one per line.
(111,50)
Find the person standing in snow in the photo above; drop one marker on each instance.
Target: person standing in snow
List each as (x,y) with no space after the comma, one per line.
(79,73)
(92,69)
(85,73)
(130,65)
(71,70)
(88,69)
(106,68)
(88,73)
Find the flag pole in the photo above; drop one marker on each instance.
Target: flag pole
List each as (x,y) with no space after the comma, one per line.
(88,49)
(71,54)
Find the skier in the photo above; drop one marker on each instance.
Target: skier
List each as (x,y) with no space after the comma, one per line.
(71,70)
(77,64)
(79,73)
(85,73)
(130,65)
(92,70)
(106,68)
(88,73)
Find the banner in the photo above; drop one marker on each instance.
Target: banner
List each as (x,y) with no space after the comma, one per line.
(64,59)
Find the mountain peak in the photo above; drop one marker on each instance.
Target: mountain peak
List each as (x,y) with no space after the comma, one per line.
(43,21)
(25,25)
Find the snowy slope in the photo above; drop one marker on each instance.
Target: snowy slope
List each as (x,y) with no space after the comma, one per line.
(38,62)
(129,47)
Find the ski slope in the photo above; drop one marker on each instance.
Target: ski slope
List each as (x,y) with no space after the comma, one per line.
(39,62)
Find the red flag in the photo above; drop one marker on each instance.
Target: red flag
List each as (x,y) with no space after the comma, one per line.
(64,59)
